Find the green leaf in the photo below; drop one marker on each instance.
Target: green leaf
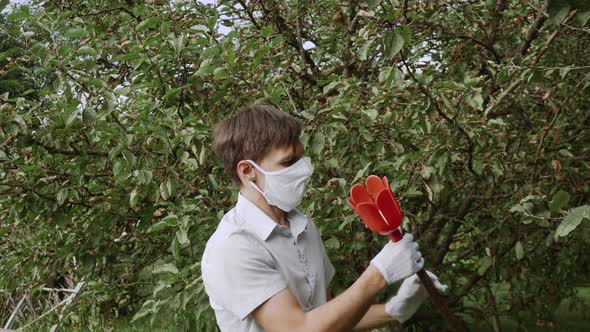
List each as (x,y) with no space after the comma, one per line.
(202,156)
(87,50)
(478,166)
(205,67)
(121,171)
(328,88)
(524,207)
(149,23)
(129,157)
(166,268)
(385,74)
(212,182)
(71,118)
(371,113)
(318,141)
(393,43)
(565,153)
(62,196)
(171,93)
(75,33)
(564,70)
(519,250)
(332,243)
(573,220)
(475,101)
(175,248)
(373,3)
(133,197)
(89,116)
(361,172)
(171,186)
(199,28)
(211,52)
(164,193)
(144,176)
(171,219)
(365,50)
(484,264)
(162,285)
(160,225)
(559,201)
(148,307)
(182,236)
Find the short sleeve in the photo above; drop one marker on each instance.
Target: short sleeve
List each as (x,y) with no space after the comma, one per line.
(241,274)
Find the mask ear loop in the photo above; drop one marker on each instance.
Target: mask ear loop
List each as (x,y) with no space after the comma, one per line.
(257,166)
(251,183)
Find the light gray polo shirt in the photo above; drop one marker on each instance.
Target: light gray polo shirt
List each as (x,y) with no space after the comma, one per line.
(250,258)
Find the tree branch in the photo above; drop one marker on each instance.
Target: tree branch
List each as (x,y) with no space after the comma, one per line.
(453,228)
(532,34)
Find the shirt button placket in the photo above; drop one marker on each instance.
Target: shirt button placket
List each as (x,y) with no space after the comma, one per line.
(306,269)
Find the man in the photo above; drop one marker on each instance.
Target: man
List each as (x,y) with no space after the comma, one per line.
(265,268)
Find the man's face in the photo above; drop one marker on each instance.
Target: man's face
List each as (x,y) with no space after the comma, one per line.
(277,159)
(282,157)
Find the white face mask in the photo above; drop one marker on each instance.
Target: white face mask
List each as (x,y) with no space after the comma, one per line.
(285,188)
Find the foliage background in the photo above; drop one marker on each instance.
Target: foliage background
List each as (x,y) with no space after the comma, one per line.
(477,111)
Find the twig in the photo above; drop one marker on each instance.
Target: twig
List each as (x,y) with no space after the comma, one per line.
(14,312)
(249,13)
(290,99)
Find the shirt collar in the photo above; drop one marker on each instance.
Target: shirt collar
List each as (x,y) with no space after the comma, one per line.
(262,225)
(256,220)
(298,222)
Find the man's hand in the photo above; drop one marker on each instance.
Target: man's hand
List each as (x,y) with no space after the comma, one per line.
(409,297)
(399,260)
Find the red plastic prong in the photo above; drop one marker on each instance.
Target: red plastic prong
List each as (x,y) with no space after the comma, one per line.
(374,185)
(359,194)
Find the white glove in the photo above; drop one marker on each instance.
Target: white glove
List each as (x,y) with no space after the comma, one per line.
(409,297)
(399,260)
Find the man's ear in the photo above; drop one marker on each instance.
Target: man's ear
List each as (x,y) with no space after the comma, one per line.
(245,171)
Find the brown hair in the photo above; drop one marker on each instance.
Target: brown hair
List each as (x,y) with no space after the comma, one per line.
(251,134)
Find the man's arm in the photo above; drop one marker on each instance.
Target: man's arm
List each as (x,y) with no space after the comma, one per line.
(282,311)
(374,317)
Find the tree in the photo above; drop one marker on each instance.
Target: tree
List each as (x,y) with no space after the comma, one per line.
(475,110)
